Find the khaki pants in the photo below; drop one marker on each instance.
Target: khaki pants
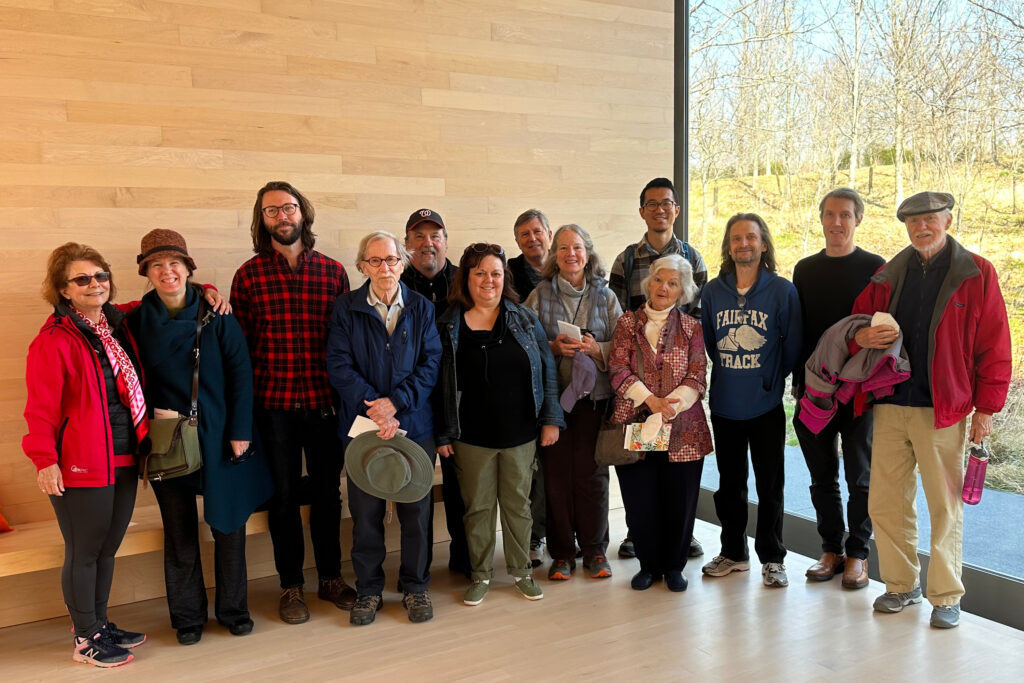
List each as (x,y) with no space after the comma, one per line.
(489,477)
(905,440)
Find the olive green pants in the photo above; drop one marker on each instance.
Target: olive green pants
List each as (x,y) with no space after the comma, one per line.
(489,477)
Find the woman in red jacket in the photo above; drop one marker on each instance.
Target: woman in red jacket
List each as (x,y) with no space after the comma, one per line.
(86,415)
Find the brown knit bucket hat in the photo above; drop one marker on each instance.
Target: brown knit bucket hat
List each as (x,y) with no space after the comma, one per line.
(161,243)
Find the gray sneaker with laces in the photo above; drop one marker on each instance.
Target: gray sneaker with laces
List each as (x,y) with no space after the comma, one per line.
(945,616)
(895,602)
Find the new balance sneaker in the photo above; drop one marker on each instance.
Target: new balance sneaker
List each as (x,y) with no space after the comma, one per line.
(895,602)
(475,593)
(122,638)
(536,552)
(365,610)
(100,651)
(598,567)
(529,588)
(418,606)
(945,616)
(773,574)
(721,565)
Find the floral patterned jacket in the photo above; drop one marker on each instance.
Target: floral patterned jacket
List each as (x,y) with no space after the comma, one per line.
(679,359)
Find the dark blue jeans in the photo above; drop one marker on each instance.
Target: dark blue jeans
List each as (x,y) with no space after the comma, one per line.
(286,435)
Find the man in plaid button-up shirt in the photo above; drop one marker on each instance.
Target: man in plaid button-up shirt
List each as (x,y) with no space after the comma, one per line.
(283,298)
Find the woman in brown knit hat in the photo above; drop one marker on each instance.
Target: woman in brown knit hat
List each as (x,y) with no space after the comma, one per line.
(232,483)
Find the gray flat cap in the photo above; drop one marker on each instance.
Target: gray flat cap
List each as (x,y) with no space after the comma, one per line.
(924,202)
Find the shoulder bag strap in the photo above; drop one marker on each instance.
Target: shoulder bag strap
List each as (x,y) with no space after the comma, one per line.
(193,415)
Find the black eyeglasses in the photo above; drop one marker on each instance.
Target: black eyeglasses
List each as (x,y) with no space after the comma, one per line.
(741,301)
(487,249)
(286,209)
(667,204)
(375,261)
(84,280)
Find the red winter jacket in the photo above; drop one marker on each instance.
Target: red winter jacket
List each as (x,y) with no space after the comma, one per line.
(969,353)
(66,409)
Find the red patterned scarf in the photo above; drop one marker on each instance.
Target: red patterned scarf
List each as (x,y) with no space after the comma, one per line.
(129,388)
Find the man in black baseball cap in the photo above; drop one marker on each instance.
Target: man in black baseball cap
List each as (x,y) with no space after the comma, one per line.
(431,274)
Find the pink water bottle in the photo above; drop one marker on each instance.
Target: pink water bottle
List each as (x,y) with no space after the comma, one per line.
(974,477)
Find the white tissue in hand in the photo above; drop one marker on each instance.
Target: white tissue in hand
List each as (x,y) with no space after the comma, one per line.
(652,426)
(883,318)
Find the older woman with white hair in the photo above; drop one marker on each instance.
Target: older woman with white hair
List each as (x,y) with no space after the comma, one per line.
(657,365)
(572,290)
(383,355)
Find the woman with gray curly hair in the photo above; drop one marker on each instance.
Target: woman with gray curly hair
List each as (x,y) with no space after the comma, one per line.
(573,290)
(657,365)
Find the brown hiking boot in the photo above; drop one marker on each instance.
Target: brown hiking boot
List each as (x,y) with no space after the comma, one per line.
(292,607)
(338,592)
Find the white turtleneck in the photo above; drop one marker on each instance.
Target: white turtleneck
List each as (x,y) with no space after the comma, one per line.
(639,392)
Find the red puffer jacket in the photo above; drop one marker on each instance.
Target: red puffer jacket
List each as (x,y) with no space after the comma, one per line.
(66,409)
(970,352)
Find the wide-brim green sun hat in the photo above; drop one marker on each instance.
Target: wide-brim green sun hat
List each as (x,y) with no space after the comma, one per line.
(395,469)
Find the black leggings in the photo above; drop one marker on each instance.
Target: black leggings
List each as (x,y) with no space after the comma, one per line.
(93,521)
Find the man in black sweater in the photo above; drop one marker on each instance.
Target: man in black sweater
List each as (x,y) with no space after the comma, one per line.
(827,283)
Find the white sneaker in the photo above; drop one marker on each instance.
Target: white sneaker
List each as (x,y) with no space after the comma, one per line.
(720,566)
(537,552)
(774,575)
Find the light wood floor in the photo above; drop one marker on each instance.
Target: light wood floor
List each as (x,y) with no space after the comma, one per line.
(727,629)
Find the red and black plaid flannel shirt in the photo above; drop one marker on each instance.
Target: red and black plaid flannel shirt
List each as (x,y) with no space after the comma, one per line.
(284,316)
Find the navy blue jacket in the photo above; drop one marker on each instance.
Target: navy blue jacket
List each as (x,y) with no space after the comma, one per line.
(364,363)
(527,330)
(753,348)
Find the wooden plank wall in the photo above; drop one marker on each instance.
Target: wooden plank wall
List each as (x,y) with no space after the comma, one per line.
(118,116)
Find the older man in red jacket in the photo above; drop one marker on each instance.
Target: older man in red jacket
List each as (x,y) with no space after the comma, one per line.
(949,307)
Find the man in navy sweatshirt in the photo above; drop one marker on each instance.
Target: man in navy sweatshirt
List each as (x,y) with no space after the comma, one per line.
(752,332)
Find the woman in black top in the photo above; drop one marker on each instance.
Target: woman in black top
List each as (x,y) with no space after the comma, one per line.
(498,390)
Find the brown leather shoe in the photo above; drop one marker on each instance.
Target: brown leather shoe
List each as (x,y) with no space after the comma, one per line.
(856,573)
(292,607)
(338,592)
(828,566)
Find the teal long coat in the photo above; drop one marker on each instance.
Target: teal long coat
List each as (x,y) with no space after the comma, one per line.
(231,492)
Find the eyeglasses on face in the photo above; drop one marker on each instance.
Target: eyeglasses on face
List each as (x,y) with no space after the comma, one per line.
(667,204)
(375,261)
(84,280)
(286,209)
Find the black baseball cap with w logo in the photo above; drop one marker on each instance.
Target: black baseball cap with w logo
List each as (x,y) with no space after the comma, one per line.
(423,216)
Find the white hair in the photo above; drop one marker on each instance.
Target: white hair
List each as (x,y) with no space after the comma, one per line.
(682,267)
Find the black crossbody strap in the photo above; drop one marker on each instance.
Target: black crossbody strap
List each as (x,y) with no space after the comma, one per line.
(193,415)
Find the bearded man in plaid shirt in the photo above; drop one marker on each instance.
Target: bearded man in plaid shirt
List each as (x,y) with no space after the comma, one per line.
(283,297)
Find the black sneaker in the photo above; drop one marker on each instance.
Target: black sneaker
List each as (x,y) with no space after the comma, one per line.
(100,651)
(418,606)
(626,549)
(123,638)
